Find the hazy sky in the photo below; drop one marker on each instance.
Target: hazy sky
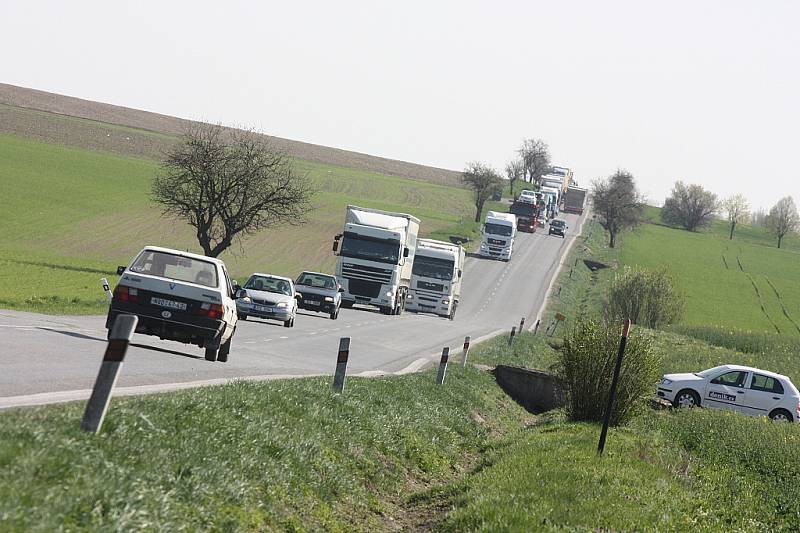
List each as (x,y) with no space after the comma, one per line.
(707,92)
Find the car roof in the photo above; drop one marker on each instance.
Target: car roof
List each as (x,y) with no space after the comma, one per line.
(284,278)
(757,370)
(184,254)
(316,274)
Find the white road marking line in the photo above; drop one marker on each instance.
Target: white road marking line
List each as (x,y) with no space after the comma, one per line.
(267,340)
(283,337)
(249,342)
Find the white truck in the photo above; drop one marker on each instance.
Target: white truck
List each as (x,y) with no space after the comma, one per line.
(498,232)
(376,256)
(551,195)
(436,278)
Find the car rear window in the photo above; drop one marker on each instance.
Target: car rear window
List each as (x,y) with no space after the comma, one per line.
(316,280)
(177,267)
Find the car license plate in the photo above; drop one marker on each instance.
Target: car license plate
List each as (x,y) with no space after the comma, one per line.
(312,303)
(180,306)
(262,308)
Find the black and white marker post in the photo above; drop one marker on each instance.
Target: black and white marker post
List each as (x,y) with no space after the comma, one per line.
(443,365)
(613,392)
(511,337)
(107,289)
(118,341)
(521,324)
(341,364)
(466,351)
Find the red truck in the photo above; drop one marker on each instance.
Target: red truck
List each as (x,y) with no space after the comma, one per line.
(527,215)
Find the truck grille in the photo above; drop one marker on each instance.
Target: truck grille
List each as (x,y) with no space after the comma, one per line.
(436,287)
(365,273)
(496,242)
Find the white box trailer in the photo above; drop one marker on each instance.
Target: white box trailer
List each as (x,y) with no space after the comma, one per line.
(436,278)
(498,231)
(376,256)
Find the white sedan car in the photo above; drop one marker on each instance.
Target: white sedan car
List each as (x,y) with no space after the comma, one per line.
(736,388)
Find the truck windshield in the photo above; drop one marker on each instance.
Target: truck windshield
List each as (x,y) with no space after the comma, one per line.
(498,229)
(433,267)
(360,247)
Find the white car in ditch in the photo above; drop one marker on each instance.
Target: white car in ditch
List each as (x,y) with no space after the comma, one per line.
(178,296)
(744,389)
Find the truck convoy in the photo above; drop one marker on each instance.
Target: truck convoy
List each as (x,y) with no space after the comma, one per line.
(376,257)
(527,214)
(574,200)
(436,278)
(498,231)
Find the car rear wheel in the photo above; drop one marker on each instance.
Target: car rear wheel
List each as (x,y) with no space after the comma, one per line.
(335,314)
(225,349)
(211,352)
(242,317)
(686,398)
(780,415)
(288,323)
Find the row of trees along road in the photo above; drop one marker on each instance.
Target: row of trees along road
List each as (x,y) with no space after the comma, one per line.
(692,207)
(532,161)
(230,183)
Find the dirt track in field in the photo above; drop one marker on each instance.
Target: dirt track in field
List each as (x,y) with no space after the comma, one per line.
(104,127)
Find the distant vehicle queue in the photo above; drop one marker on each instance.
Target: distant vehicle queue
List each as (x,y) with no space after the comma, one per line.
(191,298)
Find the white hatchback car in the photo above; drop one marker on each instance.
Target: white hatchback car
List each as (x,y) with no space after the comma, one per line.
(736,388)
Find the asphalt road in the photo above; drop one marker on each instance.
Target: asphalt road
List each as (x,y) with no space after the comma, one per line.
(47,359)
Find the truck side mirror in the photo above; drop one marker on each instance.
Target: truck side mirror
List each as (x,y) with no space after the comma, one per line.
(459,272)
(336,242)
(405,252)
(120,270)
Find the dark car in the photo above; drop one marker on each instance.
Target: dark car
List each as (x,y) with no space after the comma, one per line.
(558,226)
(319,292)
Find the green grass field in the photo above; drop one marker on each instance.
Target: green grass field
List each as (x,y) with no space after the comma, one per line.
(69,216)
(745,283)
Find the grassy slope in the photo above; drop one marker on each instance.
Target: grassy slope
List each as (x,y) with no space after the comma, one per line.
(70,215)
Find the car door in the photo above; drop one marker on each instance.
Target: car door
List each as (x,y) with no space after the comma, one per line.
(228,301)
(726,391)
(764,393)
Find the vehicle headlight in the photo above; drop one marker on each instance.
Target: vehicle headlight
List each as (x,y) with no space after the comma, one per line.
(410,297)
(328,299)
(246,300)
(280,304)
(665,381)
(446,301)
(388,294)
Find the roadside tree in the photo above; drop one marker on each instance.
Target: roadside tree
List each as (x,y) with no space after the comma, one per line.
(738,210)
(484,182)
(783,218)
(690,207)
(229,183)
(515,170)
(617,203)
(535,156)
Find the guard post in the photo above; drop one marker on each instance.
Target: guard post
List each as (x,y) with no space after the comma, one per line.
(443,365)
(466,351)
(341,364)
(511,337)
(118,341)
(107,289)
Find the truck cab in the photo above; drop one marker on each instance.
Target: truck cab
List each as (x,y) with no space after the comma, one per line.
(498,231)
(436,278)
(376,255)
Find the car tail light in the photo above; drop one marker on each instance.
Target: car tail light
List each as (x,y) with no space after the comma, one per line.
(211,310)
(126,294)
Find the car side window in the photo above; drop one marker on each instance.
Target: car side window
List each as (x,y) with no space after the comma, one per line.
(731,379)
(766,384)
(227,282)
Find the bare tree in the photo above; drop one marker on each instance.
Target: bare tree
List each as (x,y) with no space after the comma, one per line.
(535,156)
(515,170)
(484,181)
(617,203)
(783,218)
(738,210)
(229,183)
(691,207)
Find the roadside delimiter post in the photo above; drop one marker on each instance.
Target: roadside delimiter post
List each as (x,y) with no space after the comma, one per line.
(466,351)
(107,289)
(613,392)
(536,327)
(511,337)
(521,324)
(341,364)
(118,341)
(443,365)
